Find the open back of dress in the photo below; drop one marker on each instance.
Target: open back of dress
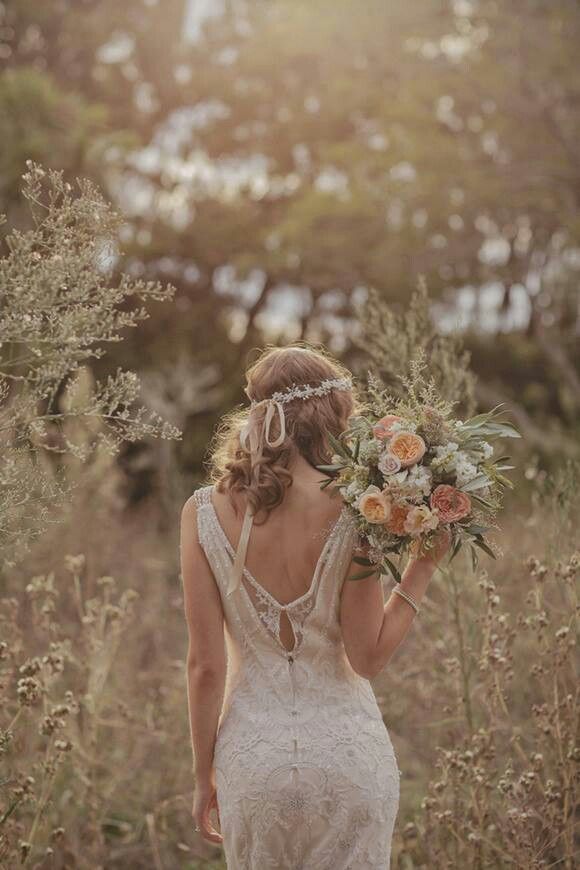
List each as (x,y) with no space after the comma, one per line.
(306,774)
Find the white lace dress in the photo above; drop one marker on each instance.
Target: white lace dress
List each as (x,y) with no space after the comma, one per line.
(306,774)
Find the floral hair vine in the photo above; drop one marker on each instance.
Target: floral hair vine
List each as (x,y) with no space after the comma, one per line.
(306,391)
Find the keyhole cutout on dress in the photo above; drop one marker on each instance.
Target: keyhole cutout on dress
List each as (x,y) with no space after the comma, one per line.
(287,636)
(274,617)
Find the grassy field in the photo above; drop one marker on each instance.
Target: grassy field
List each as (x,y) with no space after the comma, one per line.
(480,701)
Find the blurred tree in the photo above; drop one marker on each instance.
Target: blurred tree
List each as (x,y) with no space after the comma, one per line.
(37,121)
(294,153)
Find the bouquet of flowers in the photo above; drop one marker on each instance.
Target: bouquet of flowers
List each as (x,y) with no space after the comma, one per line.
(406,468)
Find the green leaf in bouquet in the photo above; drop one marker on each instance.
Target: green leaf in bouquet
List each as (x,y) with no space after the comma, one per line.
(508,430)
(474,423)
(456,548)
(339,447)
(356,450)
(357,425)
(505,481)
(392,568)
(481,418)
(360,575)
(504,468)
(479,543)
(475,529)
(474,559)
(471,443)
(503,430)
(331,468)
(477,483)
(326,482)
(362,560)
(482,501)
(499,459)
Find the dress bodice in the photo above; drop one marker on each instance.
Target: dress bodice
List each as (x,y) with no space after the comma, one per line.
(317,668)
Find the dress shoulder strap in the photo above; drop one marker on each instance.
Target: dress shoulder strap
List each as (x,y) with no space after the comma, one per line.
(211,536)
(345,536)
(202,495)
(202,499)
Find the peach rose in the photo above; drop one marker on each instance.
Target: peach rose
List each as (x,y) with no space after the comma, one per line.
(451,503)
(408,447)
(374,505)
(396,522)
(382,429)
(421,519)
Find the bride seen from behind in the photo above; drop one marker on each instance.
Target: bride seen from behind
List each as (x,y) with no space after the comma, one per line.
(290,747)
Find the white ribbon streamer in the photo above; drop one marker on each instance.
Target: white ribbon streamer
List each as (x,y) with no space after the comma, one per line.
(253,436)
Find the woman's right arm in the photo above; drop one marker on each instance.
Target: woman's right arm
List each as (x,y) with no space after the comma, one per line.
(371,629)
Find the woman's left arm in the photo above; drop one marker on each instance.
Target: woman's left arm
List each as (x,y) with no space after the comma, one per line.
(206,665)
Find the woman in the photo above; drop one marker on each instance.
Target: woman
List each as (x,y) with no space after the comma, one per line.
(297,761)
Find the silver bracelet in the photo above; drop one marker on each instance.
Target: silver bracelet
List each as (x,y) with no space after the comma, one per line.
(408,598)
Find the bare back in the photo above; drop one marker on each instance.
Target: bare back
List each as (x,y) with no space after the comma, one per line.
(284,550)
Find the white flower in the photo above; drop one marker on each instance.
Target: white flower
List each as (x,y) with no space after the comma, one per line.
(400,476)
(420,478)
(351,492)
(465,470)
(457,460)
(442,451)
(483,452)
(369,451)
(389,464)
(420,519)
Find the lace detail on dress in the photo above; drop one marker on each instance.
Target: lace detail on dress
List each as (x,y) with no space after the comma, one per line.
(268,609)
(306,774)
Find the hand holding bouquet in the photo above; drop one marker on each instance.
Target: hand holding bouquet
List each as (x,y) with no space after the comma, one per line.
(409,472)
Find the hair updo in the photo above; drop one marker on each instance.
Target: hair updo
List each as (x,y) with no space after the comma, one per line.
(307,423)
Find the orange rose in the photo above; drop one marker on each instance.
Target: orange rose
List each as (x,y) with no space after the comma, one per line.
(451,503)
(382,429)
(396,521)
(407,447)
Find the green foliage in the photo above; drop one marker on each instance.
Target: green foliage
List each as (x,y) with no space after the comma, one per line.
(40,121)
(411,363)
(59,304)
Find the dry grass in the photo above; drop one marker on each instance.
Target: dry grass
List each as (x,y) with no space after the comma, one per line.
(481,701)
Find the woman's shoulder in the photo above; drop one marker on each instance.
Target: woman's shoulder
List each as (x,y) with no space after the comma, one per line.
(199,497)
(317,507)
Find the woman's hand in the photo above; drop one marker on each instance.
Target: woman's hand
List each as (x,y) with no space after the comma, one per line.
(441,544)
(204,800)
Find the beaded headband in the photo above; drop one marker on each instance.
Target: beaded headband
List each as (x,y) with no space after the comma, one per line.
(305,391)
(256,433)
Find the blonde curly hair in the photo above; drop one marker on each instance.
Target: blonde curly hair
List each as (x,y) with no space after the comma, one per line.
(307,424)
